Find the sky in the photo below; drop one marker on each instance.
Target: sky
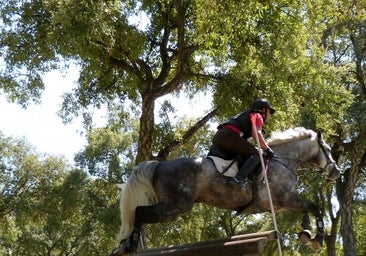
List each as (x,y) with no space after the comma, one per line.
(39,124)
(43,128)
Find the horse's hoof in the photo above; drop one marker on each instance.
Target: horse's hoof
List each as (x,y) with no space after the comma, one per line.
(317,242)
(316,245)
(119,251)
(305,236)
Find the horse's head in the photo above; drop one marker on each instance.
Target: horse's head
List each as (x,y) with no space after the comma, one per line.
(324,159)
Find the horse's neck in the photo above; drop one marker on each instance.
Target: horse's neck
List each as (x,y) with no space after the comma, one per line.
(296,152)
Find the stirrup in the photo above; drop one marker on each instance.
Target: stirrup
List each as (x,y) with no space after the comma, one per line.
(243,184)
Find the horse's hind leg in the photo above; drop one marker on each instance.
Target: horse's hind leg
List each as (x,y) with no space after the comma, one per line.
(161,212)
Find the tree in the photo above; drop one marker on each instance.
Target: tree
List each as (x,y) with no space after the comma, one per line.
(47,208)
(344,38)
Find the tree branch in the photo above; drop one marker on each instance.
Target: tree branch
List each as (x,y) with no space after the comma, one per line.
(164,152)
(165,59)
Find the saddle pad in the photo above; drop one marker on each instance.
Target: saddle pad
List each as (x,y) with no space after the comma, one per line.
(222,164)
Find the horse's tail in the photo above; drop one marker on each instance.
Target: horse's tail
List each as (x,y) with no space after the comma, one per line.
(138,191)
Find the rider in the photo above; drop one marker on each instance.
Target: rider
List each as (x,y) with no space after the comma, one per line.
(230,141)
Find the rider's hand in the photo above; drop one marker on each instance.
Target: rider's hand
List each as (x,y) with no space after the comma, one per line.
(269,152)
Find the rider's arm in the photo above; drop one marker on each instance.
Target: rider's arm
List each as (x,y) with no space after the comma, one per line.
(257,125)
(262,141)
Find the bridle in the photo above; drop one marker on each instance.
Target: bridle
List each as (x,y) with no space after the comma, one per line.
(321,148)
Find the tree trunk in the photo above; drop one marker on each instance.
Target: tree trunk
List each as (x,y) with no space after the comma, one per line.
(345,191)
(146,133)
(331,239)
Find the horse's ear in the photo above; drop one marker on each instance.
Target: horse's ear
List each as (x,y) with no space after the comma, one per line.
(319,135)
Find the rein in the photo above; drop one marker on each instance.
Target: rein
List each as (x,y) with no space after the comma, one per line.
(275,158)
(321,148)
(285,158)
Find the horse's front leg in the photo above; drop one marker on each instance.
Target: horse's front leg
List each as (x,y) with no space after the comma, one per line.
(305,234)
(317,241)
(298,203)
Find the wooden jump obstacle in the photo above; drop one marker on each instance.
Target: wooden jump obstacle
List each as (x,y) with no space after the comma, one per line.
(243,245)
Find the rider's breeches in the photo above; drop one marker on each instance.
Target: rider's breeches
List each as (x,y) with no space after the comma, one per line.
(232,142)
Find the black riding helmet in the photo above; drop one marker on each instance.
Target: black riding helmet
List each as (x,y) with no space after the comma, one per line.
(262,103)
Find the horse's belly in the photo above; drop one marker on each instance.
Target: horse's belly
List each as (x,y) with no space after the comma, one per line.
(230,200)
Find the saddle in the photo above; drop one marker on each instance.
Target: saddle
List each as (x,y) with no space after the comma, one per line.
(227,168)
(230,168)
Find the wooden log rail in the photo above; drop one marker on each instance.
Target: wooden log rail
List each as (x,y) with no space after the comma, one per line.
(243,245)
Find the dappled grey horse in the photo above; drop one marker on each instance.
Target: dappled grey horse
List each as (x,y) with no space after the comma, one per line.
(161,191)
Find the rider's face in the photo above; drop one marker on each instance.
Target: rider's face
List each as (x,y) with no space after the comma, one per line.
(267,115)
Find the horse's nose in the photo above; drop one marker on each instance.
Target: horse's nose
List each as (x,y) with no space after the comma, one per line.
(334,172)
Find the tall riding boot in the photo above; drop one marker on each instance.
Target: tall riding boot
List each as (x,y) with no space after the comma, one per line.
(245,170)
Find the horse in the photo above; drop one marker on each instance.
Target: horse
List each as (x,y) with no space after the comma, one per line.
(160,191)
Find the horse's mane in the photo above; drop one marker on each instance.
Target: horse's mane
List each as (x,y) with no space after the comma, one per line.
(298,133)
